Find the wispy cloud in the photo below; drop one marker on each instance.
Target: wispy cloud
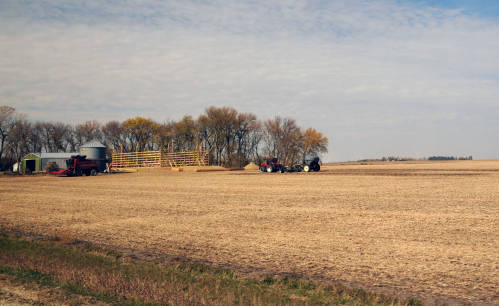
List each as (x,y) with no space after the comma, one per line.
(378,77)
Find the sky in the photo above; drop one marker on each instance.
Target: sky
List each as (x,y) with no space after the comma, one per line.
(378,78)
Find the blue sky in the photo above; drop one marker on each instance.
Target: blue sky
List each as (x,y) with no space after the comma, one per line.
(481,8)
(407,78)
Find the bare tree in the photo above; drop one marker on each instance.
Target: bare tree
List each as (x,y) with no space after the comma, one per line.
(59,135)
(283,139)
(114,135)
(19,137)
(205,132)
(37,137)
(184,133)
(222,122)
(88,131)
(231,137)
(70,139)
(246,133)
(165,136)
(6,123)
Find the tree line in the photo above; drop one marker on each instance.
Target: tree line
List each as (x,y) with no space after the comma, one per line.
(233,138)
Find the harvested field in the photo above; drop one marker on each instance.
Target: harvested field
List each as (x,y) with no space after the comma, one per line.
(425,229)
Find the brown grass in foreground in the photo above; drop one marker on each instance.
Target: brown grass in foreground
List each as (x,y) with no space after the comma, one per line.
(426,229)
(94,275)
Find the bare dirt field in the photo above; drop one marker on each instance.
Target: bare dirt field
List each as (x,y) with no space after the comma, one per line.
(429,230)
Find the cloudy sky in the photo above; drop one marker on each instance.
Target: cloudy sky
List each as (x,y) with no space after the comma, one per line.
(378,78)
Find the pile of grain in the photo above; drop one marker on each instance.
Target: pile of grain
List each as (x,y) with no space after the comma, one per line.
(251,166)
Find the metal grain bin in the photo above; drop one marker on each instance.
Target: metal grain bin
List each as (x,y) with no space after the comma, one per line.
(95,150)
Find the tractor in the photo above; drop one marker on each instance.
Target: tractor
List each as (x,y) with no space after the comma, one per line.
(272,165)
(311,165)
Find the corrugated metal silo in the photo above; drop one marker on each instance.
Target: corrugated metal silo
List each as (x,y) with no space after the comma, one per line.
(95,150)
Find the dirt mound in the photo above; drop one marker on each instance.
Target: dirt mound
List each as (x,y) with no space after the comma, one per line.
(251,166)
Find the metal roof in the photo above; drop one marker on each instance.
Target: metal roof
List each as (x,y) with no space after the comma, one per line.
(56,155)
(93,144)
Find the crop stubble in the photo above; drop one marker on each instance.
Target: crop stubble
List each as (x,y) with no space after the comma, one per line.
(424,229)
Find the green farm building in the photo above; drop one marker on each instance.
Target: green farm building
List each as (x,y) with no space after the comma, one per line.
(35,162)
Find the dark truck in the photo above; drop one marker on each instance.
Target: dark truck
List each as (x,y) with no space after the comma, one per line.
(78,165)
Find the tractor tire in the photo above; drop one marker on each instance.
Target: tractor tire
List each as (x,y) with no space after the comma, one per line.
(306,168)
(283,169)
(270,169)
(317,168)
(79,172)
(93,172)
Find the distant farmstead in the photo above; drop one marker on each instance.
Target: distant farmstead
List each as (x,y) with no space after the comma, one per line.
(35,162)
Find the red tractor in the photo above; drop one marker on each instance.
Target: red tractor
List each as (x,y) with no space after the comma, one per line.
(78,165)
(272,165)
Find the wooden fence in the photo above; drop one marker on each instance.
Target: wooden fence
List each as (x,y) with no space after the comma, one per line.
(160,159)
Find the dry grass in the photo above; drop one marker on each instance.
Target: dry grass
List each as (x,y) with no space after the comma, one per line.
(84,271)
(424,229)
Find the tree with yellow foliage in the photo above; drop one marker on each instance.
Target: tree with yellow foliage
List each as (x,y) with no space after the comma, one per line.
(140,133)
(313,143)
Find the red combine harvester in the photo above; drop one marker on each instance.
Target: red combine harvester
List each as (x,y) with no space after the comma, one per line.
(78,165)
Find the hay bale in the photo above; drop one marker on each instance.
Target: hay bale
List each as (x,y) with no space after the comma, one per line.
(52,166)
(251,166)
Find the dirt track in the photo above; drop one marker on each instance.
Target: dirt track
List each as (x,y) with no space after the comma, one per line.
(430,230)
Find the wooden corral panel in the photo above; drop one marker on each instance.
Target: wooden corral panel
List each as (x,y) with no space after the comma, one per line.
(160,159)
(182,159)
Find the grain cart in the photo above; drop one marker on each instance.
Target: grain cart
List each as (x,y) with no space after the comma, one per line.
(78,165)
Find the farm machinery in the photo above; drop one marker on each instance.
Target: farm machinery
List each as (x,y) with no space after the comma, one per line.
(312,165)
(78,165)
(273,165)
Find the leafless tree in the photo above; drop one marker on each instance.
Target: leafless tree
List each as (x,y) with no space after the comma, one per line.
(114,135)
(247,137)
(231,137)
(59,135)
(19,138)
(184,133)
(6,122)
(283,139)
(88,131)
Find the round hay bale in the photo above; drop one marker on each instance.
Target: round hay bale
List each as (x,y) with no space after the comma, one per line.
(251,166)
